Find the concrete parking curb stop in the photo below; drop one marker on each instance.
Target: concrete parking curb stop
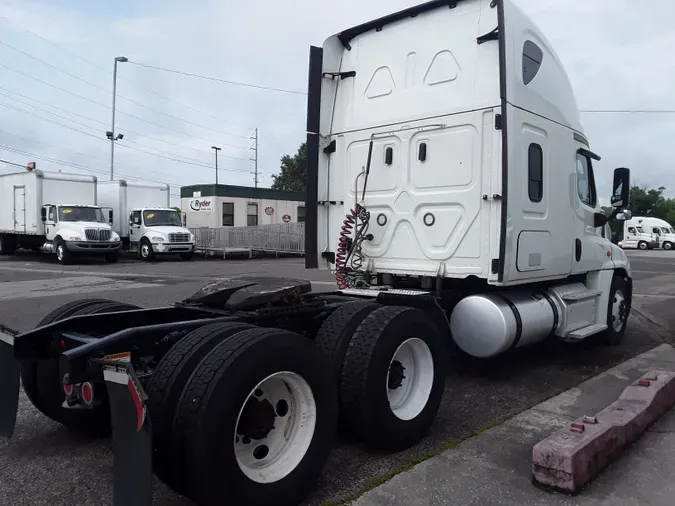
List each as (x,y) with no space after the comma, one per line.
(569,459)
(497,463)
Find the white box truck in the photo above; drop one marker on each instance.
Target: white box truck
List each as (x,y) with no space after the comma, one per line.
(142,216)
(54,212)
(452,190)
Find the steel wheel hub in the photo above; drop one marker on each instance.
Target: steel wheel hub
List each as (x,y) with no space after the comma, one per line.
(619,310)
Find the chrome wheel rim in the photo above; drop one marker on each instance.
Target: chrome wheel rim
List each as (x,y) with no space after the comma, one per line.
(618,310)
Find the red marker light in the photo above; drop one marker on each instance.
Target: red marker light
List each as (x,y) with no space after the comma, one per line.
(87,393)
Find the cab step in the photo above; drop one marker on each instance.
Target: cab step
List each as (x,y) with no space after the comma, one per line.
(585,332)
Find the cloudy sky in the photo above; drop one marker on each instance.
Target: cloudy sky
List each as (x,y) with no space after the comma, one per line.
(55,83)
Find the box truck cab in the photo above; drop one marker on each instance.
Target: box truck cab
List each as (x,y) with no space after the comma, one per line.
(142,216)
(635,235)
(55,213)
(660,230)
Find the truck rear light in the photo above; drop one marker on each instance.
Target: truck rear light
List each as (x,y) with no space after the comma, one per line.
(67,387)
(87,393)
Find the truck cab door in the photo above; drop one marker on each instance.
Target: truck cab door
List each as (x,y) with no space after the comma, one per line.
(589,249)
(49,220)
(135,232)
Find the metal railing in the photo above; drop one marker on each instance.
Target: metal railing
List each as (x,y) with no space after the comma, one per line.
(286,238)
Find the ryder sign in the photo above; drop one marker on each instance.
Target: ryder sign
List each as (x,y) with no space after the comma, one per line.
(201,205)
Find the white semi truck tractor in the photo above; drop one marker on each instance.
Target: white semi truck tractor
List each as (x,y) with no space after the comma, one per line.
(452,191)
(659,232)
(142,216)
(55,213)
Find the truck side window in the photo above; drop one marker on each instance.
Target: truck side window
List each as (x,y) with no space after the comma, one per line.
(136,218)
(51,214)
(585,181)
(535,170)
(631,230)
(532,58)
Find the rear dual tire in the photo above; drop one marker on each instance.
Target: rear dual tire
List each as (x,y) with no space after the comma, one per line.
(255,420)
(390,368)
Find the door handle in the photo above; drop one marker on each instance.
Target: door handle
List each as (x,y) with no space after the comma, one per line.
(578,249)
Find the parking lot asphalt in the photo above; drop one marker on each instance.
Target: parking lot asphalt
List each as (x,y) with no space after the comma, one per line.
(45,464)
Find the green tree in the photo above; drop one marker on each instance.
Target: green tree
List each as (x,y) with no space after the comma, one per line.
(180,211)
(293,171)
(645,201)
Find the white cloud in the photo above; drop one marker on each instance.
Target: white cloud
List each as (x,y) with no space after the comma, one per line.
(616,57)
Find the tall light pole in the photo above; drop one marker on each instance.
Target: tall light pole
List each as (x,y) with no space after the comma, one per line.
(111,135)
(216,149)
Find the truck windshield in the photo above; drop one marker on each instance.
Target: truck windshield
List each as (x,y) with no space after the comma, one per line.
(640,229)
(81,214)
(666,230)
(162,219)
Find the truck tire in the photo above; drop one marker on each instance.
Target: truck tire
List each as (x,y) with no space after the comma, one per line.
(271,394)
(166,385)
(7,245)
(402,348)
(643,245)
(145,250)
(337,330)
(618,310)
(93,422)
(29,367)
(63,256)
(668,246)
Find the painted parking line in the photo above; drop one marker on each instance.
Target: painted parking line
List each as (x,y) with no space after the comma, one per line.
(76,285)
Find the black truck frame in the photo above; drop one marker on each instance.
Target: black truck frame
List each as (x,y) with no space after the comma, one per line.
(119,349)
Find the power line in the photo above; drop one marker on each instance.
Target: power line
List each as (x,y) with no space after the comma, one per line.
(119,95)
(208,78)
(134,167)
(107,106)
(203,165)
(628,111)
(12,163)
(108,71)
(106,124)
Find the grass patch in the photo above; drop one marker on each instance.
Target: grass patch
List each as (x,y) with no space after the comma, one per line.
(380,480)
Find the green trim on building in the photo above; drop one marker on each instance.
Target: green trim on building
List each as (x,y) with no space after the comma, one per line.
(244,192)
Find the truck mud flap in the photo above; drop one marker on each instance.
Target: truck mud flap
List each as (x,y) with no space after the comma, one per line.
(131,434)
(10,370)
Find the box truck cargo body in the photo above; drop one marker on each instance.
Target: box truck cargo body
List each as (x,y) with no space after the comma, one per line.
(140,213)
(55,213)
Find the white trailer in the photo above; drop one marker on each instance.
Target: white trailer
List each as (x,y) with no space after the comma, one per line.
(661,232)
(450,187)
(142,216)
(54,212)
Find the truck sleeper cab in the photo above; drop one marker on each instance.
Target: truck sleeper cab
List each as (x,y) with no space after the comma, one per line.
(660,231)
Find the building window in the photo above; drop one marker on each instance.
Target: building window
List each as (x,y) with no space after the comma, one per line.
(532,58)
(301,214)
(228,214)
(585,181)
(252,215)
(535,171)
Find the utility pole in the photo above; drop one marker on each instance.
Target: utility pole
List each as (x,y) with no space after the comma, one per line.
(255,154)
(216,149)
(111,133)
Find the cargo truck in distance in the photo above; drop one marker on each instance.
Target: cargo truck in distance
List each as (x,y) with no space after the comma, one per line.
(646,232)
(56,213)
(142,216)
(452,191)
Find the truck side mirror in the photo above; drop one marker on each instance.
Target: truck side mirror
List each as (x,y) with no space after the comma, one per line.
(621,188)
(43,214)
(624,216)
(110,217)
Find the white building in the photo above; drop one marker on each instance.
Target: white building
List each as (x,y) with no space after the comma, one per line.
(222,205)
